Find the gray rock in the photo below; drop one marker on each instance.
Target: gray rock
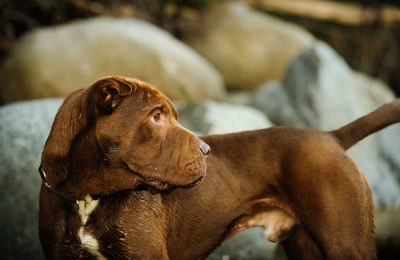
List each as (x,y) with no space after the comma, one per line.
(55,61)
(217,118)
(240,97)
(272,99)
(249,244)
(248,47)
(24,128)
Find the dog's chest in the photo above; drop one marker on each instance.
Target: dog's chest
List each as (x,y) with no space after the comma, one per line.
(115,226)
(87,239)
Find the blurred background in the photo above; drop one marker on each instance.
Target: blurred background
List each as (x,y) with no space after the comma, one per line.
(227,65)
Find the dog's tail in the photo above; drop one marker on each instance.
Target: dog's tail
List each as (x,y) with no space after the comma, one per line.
(357,130)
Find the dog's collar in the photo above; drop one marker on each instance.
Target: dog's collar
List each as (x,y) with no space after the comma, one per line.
(44,179)
(48,186)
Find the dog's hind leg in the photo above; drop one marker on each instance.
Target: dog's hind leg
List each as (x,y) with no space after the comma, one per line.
(348,232)
(299,245)
(331,199)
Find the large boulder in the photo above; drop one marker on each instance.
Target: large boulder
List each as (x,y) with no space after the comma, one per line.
(248,47)
(24,128)
(54,61)
(321,91)
(217,118)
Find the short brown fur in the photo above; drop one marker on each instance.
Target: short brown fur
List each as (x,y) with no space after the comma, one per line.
(298,184)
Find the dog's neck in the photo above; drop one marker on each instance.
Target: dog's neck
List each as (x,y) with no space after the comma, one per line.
(43,176)
(79,178)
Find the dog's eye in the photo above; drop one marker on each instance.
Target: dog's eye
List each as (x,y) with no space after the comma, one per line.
(157,116)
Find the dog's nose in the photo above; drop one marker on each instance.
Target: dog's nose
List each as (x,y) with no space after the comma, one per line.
(205,148)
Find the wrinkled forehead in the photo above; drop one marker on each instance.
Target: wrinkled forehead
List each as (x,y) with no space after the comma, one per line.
(150,96)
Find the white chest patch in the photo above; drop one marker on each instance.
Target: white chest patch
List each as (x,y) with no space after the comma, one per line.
(85,208)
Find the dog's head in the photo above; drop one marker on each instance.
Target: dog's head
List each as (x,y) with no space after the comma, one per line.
(117,134)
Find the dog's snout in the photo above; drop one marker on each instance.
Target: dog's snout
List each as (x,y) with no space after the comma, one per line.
(205,148)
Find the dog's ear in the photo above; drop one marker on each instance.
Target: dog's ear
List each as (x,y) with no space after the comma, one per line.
(77,114)
(110,91)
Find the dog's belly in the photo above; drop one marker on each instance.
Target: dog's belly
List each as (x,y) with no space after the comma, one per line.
(269,214)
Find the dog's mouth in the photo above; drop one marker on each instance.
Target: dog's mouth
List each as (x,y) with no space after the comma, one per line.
(165,186)
(193,184)
(158,185)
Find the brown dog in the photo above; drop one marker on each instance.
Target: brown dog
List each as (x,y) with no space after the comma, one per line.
(116,159)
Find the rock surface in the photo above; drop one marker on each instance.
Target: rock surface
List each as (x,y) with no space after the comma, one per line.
(24,128)
(249,244)
(218,118)
(249,47)
(52,62)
